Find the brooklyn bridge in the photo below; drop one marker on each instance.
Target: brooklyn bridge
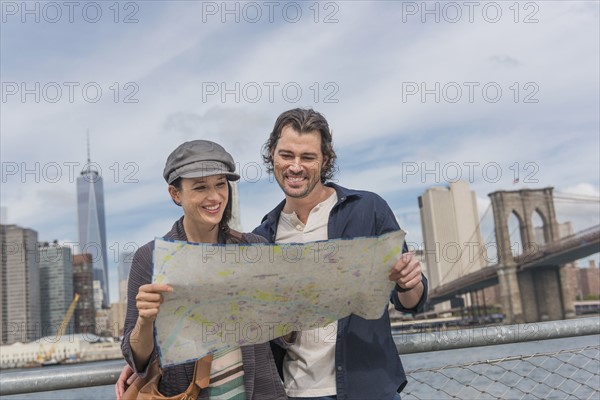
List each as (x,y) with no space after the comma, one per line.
(533,284)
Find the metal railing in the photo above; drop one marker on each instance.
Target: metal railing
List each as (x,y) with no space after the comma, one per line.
(560,371)
(450,339)
(572,373)
(68,377)
(564,374)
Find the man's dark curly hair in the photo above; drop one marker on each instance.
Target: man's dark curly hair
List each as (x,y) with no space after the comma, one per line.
(303,121)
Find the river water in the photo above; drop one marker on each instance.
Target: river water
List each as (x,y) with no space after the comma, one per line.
(410,361)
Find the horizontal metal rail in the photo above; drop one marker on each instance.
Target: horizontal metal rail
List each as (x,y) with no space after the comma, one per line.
(464,337)
(69,377)
(86,375)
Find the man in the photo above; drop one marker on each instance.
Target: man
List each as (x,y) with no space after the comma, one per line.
(359,361)
(353,358)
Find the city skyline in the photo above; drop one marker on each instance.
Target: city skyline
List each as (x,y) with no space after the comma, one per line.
(404,96)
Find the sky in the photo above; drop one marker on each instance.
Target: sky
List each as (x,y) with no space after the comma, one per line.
(502,94)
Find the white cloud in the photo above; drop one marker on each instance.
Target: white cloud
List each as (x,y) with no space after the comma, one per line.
(584,189)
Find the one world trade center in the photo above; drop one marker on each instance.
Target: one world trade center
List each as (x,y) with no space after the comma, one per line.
(92,227)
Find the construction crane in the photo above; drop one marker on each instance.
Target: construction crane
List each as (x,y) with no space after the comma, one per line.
(47,357)
(67,317)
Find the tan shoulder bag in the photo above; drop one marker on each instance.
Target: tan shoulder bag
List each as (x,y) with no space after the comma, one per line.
(147,388)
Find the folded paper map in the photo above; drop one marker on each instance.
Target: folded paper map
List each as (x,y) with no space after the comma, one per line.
(235,295)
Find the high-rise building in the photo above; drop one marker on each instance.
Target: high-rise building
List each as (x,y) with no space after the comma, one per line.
(116,318)
(19,285)
(103,327)
(92,225)
(83,278)
(98,294)
(453,244)
(125,260)
(564,229)
(56,286)
(590,280)
(236,219)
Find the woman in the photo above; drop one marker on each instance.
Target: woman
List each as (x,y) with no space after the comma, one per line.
(197,173)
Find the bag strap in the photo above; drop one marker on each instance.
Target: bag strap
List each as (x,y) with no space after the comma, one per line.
(202,371)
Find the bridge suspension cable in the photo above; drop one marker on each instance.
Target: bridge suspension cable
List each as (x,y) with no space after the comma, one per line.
(487,240)
(489,207)
(577,197)
(571,198)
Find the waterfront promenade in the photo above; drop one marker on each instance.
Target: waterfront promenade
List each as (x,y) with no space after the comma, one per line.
(548,360)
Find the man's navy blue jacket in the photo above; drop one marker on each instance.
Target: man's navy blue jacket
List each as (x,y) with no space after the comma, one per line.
(366,360)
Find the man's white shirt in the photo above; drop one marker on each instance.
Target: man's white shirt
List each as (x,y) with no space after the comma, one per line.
(309,365)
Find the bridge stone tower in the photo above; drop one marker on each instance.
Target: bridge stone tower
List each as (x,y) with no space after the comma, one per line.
(537,294)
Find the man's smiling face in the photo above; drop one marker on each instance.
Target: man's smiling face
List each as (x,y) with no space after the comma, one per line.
(297,162)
